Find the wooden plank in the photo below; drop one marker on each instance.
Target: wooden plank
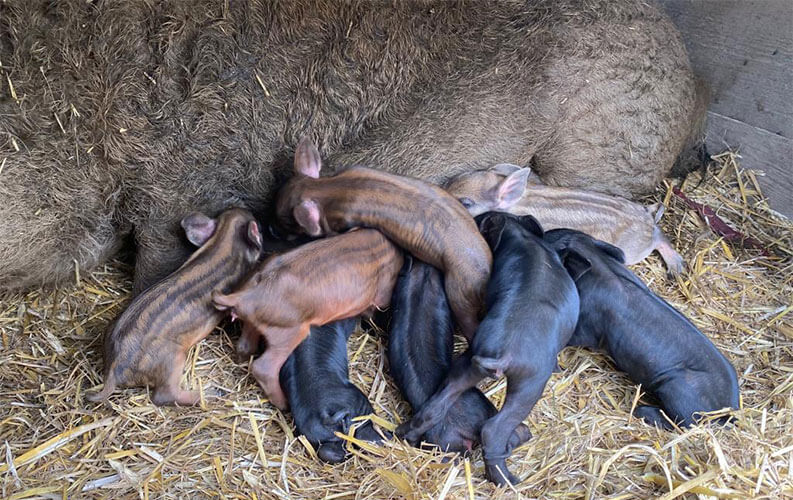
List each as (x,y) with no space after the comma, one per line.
(760,150)
(744,50)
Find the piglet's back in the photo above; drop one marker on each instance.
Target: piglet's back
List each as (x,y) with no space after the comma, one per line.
(620,222)
(325,280)
(419,216)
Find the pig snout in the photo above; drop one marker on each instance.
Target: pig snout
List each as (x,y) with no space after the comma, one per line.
(332,452)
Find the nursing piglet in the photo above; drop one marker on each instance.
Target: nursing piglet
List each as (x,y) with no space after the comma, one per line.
(630,226)
(420,349)
(322,399)
(648,339)
(315,284)
(418,216)
(148,343)
(532,308)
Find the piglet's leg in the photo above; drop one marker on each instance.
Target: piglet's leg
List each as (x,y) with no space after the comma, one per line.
(462,377)
(170,393)
(653,416)
(522,395)
(673,260)
(248,343)
(463,302)
(280,344)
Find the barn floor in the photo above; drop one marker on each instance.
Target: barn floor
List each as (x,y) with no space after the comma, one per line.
(55,444)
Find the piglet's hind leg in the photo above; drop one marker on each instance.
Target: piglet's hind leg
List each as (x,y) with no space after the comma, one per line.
(673,260)
(497,442)
(463,303)
(170,393)
(280,344)
(462,377)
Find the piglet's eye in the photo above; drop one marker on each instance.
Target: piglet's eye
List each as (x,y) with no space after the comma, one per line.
(467,202)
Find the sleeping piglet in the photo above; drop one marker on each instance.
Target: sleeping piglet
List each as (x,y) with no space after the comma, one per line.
(532,308)
(420,349)
(630,226)
(418,216)
(315,284)
(649,340)
(148,343)
(321,397)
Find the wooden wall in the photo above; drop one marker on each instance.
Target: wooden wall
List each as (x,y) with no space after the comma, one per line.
(744,50)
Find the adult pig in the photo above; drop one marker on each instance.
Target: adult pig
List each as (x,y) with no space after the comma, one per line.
(119,118)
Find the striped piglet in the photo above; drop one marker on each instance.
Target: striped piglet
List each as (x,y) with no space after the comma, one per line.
(148,344)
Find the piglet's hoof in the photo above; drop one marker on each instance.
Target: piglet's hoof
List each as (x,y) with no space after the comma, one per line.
(501,476)
(367,432)
(520,435)
(405,431)
(653,416)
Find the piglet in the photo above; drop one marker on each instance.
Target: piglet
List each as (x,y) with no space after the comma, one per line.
(321,397)
(532,308)
(648,339)
(420,349)
(420,217)
(630,226)
(148,343)
(315,284)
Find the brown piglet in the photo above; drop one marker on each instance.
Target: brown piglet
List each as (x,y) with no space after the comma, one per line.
(418,216)
(148,343)
(630,226)
(323,281)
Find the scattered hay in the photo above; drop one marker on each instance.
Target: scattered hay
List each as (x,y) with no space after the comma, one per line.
(54,444)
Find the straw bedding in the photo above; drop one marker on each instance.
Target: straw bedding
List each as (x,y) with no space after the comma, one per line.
(54,444)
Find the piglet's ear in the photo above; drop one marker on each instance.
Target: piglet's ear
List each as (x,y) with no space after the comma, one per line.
(505,169)
(531,224)
(254,235)
(511,189)
(611,250)
(492,225)
(198,228)
(307,215)
(307,159)
(575,263)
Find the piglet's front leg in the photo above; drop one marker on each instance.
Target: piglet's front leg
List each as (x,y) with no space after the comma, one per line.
(266,369)
(248,343)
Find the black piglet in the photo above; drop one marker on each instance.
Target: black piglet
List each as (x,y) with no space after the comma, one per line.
(420,350)
(532,307)
(648,339)
(321,397)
